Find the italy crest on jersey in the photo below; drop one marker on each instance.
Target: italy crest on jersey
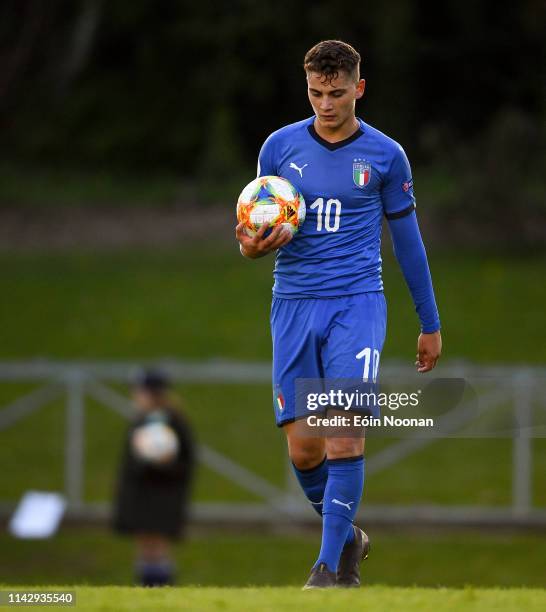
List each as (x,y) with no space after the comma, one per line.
(278,398)
(362,172)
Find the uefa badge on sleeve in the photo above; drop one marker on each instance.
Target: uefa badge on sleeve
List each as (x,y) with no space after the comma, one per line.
(407,185)
(362,172)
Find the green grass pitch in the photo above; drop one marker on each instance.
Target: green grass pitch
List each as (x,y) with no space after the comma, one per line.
(207,301)
(457,559)
(273,599)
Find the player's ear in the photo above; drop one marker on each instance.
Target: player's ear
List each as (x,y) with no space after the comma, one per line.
(360,87)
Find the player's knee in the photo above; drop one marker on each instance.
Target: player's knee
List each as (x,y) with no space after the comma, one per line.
(305,457)
(339,448)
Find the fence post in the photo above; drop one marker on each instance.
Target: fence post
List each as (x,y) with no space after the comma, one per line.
(74,438)
(521,446)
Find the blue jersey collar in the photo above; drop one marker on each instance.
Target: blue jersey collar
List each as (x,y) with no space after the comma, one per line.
(332,146)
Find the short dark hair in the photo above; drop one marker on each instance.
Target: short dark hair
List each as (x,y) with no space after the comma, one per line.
(152,381)
(329,57)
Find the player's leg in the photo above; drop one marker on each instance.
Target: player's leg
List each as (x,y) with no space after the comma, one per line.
(296,354)
(308,457)
(296,327)
(357,332)
(342,493)
(154,566)
(314,479)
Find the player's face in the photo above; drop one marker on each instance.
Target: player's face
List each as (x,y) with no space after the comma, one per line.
(144,400)
(334,101)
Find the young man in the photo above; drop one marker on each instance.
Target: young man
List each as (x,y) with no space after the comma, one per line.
(328,284)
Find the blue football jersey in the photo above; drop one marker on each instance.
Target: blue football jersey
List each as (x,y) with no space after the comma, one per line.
(348,186)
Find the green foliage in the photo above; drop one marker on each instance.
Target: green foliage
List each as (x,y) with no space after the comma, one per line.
(143,90)
(222,173)
(490,190)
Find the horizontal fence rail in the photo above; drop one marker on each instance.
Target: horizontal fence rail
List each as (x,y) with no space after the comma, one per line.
(78,380)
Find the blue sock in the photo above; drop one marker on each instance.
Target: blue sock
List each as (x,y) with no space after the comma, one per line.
(154,573)
(341,499)
(313,482)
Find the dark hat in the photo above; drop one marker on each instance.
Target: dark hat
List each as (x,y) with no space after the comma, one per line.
(152,380)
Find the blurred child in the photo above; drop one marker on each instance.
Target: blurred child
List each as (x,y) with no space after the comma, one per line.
(154,480)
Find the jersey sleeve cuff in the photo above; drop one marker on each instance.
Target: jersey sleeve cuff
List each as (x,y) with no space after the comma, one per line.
(401,213)
(431,329)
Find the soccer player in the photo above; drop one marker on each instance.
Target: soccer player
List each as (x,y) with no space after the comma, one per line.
(328,284)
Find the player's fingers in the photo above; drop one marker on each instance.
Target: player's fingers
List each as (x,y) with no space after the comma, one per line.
(272,238)
(260,233)
(422,360)
(279,243)
(285,236)
(426,363)
(239,231)
(259,240)
(275,245)
(288,236)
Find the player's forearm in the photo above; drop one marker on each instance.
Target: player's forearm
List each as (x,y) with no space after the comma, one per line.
(411,255)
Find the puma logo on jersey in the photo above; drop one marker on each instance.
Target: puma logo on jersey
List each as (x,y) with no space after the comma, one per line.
(340,503)
(300,170)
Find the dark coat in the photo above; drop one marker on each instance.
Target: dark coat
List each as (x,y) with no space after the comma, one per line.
(154,498)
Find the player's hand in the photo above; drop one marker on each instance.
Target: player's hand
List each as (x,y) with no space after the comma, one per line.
(258,246)
(429,349)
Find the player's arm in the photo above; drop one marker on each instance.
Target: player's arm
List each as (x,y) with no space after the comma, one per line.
(411,255)
(258,246)
(399,206)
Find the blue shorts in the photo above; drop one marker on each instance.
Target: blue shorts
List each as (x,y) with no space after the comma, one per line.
(333,338)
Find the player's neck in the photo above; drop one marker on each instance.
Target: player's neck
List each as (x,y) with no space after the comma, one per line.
(341,132)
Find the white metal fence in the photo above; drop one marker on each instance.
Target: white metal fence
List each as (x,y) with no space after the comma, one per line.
(78,380)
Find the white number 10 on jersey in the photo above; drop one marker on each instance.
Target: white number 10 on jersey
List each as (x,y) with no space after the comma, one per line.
(331,221)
